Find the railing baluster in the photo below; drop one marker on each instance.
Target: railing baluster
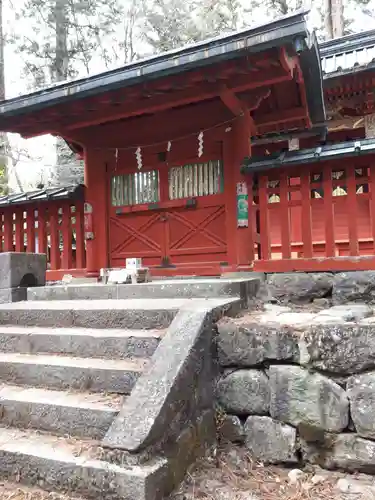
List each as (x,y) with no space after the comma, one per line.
(351,204)
(306,214)
(264,219)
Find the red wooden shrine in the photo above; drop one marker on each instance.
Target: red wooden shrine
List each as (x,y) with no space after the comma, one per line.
(163,142)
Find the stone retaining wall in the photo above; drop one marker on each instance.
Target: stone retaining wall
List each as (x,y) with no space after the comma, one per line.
(302,288)
(299,386)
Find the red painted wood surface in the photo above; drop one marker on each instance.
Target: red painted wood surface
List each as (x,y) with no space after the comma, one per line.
(284,213)
(331,211)
(8,231)
(179,236)
(54,228)
(42,229)
(30,231)
(334,264)
(265,249)
(18,222)
(80,260)
(306,214)
(328,213)
(170,236)
(351,203)
(372,203)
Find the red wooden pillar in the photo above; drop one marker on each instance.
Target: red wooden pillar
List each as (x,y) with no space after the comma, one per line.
(80,242)
(372,201)
(19,231)
(265,236)
(240,240)
(352,211)
(96,195)
(285,216)
(54,237)
(42,230)
(30,230)
(328,212)
(8,231)
(306,214)
(67,237)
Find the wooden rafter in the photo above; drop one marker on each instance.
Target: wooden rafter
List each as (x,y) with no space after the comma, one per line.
(154,105)
(231,101)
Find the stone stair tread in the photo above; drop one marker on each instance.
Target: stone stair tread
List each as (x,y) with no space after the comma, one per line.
(52,447)
(118,304)
(73,465)
(87,400)
(136,365)
(106,304)
(76,331)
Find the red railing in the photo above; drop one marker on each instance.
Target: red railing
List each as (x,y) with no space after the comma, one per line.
(316,217)
(54,228)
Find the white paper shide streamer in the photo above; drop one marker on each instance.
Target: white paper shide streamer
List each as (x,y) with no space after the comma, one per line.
(138,155)
(200,144)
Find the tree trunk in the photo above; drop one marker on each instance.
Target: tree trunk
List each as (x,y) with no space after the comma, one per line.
(338,18)
(61,55)
(4,143)
(328,19)
(334,18)
(61,68)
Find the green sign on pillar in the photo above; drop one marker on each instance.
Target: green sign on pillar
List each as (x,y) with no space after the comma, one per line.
(242,205)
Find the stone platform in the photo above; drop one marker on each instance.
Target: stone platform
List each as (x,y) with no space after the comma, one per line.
(167,289)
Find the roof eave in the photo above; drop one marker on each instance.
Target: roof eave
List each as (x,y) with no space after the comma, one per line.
(312,74)
(348,43)
(330,79)
(70,192)
(276,33)
(308,156)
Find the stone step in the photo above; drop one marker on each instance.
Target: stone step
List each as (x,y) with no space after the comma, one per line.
(80,342)
(65,372)
(65,464)
(187,288)
(83,414)
(129,314)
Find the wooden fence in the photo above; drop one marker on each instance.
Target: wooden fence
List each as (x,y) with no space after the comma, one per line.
(315,217)
(54,228)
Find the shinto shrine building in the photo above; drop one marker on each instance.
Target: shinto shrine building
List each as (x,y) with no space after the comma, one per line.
(254,150)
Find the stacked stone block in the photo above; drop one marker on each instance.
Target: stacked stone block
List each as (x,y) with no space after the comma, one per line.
(301,390)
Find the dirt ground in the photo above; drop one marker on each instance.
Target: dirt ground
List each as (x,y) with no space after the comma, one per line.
(11,491)
(230,474)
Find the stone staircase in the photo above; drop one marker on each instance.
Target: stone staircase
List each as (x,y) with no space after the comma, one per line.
(67,371)
(63,385)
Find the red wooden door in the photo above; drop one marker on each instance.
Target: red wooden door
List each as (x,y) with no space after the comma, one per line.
(135,229)
(197,235)
(180,225)
(138,234)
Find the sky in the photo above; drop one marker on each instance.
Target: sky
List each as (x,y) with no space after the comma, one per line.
(41,150)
